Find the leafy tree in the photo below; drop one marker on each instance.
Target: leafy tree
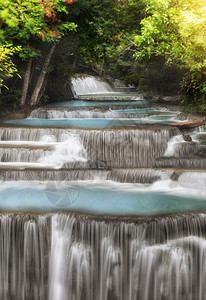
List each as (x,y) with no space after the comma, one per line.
(24,23)
(175,30)
(7,67)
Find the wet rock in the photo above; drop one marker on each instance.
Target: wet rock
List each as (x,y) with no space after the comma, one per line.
(176,174)
(187,138)
(201,152)
(166,99)
(202,139)
(97,164)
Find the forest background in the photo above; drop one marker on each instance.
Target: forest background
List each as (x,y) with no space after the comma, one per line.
(159,46)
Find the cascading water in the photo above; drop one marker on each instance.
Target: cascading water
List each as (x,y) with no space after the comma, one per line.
(87,199)
(181,149)
(136,148)
(95,259)
(68,149)
(90,85)
(24,257)
(157,259)
(94,113)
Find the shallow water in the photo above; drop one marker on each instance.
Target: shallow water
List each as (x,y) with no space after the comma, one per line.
(82,103)
(102,197)
(90,123)
(135,111)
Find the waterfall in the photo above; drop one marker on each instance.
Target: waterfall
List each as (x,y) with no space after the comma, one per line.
(70,150)
(182,162)
(135,148)
(32,134)
(52,175)
(157,259)
(83,114)
(22,154)
(24,255)
(186,152)
(90,85)
(63,257)
(139,175)
(119,175)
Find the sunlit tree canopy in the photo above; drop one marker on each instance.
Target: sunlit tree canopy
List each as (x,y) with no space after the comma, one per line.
(176,30)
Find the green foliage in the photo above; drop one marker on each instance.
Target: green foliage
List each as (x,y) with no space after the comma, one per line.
(102,25)
(23,20)
(23,23)
(7,67)
(194,93)
(11,97)
(175,30)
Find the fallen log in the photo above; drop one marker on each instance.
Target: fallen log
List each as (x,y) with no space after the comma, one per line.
(189,124)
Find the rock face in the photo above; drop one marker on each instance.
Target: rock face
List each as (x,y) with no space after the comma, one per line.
(165,99)
(189,124)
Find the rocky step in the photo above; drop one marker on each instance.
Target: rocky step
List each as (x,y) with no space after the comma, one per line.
(27,146)
(142,175)
(189,149)
(67,113)
(181,162)
(112,97)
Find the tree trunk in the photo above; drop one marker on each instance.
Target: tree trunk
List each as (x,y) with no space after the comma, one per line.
(43,87)
(26,83)
(35,96)
(104,62)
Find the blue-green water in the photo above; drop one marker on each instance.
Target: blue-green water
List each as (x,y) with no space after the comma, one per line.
(88,123)
(100,199)
(82,103)
(135,111)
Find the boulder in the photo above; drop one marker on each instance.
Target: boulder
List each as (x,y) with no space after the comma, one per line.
(187,138)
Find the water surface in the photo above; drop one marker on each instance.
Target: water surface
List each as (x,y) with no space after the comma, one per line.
(82,103)
(101,197)
(89,123)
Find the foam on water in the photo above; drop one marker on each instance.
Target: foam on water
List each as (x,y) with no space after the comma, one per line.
(170,151)
(70,150)
(92,113)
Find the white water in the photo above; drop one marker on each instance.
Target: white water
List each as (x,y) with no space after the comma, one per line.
(83,114)
(161,259)
(90,85)
(177,142)
(89,259)
(170,151)
(194,180)
(135,148)
(69,150)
